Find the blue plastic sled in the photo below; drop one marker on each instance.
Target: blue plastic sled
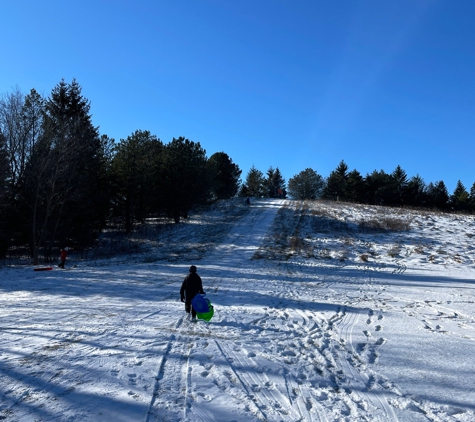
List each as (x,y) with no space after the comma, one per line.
(202,306)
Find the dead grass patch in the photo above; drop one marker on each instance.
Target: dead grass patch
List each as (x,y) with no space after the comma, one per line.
(419,249)
(385,224)
(394,251)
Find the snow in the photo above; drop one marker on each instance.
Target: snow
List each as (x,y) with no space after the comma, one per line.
(323,312)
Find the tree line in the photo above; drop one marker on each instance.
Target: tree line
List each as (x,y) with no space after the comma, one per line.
(61,181)
(381,188)
(376,188)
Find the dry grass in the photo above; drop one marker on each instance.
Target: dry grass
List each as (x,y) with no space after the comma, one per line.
(394,251)
(385,224)
(419,249)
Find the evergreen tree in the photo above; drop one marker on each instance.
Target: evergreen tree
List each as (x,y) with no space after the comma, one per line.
(255,184)
(398,186)
(355,187)
(471,198)
(335,188)
(225,175)
(185,177)
(459,200)
(135,170)
(415,192)
(437,195)
(62,185)
(275,183)
(308,184)
(378,188)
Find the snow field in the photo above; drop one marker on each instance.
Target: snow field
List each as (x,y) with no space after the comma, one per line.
(321,315)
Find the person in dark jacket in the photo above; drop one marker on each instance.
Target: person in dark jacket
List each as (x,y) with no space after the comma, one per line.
(191,286)
(64,254)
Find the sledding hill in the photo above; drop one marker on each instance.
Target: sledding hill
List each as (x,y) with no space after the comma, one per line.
(323,312)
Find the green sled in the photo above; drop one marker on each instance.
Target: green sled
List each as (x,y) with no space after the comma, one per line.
(206,315)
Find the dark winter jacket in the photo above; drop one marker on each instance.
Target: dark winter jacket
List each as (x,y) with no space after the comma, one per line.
(191,286)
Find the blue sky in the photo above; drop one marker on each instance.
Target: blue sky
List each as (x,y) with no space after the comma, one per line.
(288,84)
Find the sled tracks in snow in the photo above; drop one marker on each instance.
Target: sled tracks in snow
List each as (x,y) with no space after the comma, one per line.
(170,391)
(356,361)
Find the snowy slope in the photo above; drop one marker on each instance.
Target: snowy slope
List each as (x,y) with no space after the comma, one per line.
(324,312)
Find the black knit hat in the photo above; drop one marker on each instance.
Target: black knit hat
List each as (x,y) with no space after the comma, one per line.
(192,269)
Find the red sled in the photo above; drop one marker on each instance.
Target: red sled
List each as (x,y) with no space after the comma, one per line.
(42,269)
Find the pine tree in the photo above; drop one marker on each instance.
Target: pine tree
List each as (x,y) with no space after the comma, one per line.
(185,177)
(255,184)
(398,186)
(308,184)
(378,188)
(355,186)
(275,183)
(224,174)
(437,195)
(471,199)
(415,192)
(62,189)
(135,170)
(335,188)
(459,200)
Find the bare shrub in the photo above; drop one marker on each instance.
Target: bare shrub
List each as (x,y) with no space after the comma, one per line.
(394,251)
(419,249)
(385,224)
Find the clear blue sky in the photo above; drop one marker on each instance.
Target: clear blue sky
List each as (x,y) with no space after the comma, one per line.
(288,84)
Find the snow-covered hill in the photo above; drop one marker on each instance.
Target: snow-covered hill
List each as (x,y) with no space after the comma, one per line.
(323,312)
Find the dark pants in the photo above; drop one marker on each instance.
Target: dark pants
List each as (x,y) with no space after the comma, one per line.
(61,265)
(189,308)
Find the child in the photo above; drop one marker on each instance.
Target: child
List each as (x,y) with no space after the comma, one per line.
(191,286)
(64,253)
